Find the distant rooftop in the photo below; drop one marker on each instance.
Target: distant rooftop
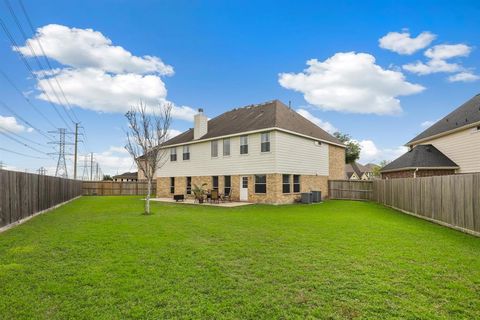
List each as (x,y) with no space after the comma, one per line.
(126,175)
(421,156)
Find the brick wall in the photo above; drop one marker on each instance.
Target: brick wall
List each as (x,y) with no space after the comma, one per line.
(336,162)
(274,187)
(420,173)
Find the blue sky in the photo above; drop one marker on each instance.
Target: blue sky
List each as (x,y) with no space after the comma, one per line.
(218,55)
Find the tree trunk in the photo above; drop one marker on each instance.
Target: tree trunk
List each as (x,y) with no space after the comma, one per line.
(147,198)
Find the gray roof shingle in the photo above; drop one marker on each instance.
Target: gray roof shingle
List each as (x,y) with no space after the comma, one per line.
(466,114)
(421,156)
(257,117)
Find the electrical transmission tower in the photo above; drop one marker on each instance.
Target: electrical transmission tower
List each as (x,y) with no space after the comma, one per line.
(61,170)
(2,165)
(85,168)
(42,171)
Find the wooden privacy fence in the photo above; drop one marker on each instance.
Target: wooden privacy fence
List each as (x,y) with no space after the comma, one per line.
(452,200)
(350,189)
(116,188)
(24,194)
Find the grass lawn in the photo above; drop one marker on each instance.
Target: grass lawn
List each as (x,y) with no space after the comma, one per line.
(99,258)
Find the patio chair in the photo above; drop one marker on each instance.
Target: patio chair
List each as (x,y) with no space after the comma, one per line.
(227,196)
(214,197)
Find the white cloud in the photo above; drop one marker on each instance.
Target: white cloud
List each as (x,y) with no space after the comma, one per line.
(173,133)
(325,125)
(371,153)
(432,66)
(428,123)
(351,82)
(437,59)
(99,76)
(464,77)
(11,124)
(448,51)
(87,48)
(402,43)
(115,159)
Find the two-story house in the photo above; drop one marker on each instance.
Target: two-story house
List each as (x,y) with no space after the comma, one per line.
(259,153)
(451,145)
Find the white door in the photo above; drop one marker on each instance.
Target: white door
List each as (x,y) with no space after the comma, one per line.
(243,188)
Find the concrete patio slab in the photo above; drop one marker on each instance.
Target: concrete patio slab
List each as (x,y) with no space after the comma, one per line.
(191,201)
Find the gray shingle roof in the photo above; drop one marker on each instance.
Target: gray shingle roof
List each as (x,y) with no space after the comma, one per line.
(422,156)
(257,117)
(126,175)
(464,115)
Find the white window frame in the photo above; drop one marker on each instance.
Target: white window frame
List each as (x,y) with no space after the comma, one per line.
(243,143)
(225,149)
(214,148)
(265,141)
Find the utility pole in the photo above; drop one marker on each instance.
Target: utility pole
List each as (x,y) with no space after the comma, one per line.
(96,173)
(91,166)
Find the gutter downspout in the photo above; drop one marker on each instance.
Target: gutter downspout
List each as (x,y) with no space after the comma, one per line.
(415,173)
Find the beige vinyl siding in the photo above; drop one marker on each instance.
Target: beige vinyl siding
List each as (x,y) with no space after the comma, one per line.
(299,155)
(463,147)
(202,164)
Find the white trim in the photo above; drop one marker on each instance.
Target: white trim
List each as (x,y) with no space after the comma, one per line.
(419,168)
(441,134)
(251,132)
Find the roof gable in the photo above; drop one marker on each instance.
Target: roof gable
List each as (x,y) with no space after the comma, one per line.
(467,114)
(272,114)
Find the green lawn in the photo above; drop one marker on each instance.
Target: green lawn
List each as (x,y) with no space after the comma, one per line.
(99,258)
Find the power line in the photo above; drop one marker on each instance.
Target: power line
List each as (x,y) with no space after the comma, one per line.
(20,142)
(26,99)
(29,21)
(25,121)
(37,60)
(22,154)
(29,68)
(23,138)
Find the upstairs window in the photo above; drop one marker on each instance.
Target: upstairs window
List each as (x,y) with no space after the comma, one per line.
(244,145)
(260,183)
(189,185)
(172,185)
(173,154)
(186,152)
(286,183)
(215,183)
(226,147)
(227,184)
(214,148)
(265,142)
(296,183)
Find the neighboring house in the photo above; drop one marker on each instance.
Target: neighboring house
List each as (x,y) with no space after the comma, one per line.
(259,153)
(357,171)
(126,176)
(451,145)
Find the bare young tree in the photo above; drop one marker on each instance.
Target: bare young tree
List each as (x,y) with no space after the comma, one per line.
(147,131)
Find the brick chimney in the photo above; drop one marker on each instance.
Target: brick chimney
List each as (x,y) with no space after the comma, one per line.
(200,125)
